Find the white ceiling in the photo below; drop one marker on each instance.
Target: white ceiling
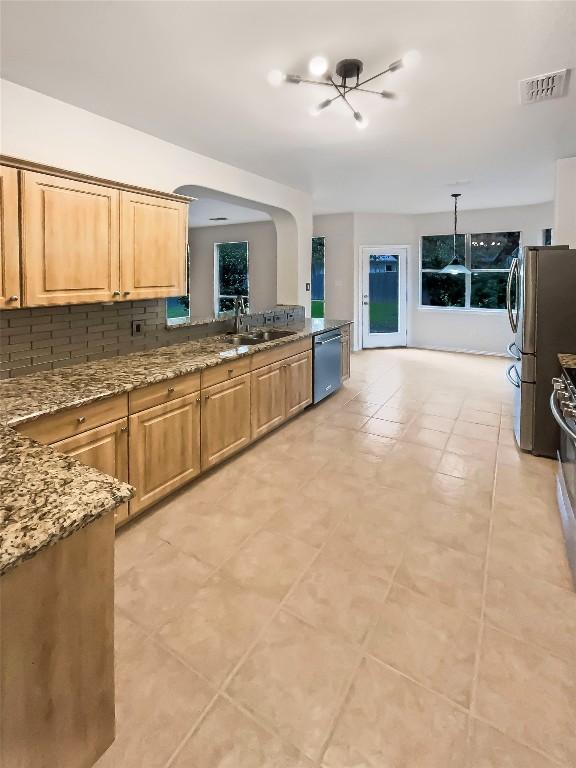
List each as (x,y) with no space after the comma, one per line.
(194,73)
(202,210)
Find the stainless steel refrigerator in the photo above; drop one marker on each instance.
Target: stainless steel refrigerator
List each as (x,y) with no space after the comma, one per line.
(541,302)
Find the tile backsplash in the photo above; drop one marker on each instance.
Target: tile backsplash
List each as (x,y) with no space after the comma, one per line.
(45,338)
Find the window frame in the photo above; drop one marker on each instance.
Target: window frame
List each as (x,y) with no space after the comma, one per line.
(217,294)
(317,237)
(467,308)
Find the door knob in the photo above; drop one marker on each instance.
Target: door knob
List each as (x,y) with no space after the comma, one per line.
(81,419)
(115,293)
(13,298)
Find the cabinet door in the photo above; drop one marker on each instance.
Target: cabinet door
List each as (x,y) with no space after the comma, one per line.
(268,398)
(70,241)
(9,240)
(104,448)
(164,449)
(345,374)
(154,233)
(225,419)
(298,383)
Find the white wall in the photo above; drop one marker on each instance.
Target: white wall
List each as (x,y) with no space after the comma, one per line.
(338,229)
(447,329)
(261,237)
(565,203)
(38,128)
(464,329)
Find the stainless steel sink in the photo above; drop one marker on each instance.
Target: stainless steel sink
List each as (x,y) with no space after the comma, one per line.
(276,334)
(258,337)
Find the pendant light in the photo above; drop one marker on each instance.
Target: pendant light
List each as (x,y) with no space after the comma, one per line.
(454,267)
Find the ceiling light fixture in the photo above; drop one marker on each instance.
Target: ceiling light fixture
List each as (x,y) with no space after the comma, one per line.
(455,267)
(348,71)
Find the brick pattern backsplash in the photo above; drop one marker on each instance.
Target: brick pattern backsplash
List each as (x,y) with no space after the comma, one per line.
(45,338)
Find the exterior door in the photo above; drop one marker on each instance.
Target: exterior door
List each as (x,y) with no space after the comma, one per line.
(70,241)
(384,296)
(152,246)
(225,419)
(164,449)
(9,240)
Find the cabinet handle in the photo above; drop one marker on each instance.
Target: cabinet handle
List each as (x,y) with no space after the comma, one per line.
(81,419)
(206,397)
(198,399)
(127,293)
(170,390)
(123,429)
(115,293)
(230,371)
(13,298)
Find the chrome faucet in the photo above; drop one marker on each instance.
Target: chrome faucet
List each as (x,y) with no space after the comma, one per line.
(239,311)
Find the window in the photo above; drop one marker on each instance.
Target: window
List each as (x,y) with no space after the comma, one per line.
(178,307)
(547,236)
(318,262)
(231,275)
(488,256)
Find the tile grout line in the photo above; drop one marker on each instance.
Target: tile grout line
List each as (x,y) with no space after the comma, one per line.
(480,637)
(221,688)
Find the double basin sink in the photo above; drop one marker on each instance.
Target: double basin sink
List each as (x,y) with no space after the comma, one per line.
(257,337)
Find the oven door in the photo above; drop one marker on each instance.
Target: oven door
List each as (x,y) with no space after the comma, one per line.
(566,486)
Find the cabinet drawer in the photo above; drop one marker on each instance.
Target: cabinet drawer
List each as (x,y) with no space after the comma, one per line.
(280,352)
(225,371)
(163,392)
(74,421)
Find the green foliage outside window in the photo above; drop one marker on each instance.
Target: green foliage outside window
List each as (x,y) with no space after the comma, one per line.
(232,261)
(487,255)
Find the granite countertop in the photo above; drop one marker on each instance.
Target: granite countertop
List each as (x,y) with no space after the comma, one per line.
(46,496)
(567,361)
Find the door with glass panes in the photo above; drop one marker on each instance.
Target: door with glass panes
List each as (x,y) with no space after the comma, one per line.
(384,296)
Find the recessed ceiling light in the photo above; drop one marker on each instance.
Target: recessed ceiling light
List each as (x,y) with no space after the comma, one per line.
(218,218)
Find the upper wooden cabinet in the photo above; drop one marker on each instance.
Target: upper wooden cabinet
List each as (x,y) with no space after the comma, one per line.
(9,245)
(70,241)
(152,246)
(84,240)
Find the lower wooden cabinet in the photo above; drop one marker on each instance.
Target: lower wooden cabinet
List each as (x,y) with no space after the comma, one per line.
(268,406)
(104,448)
(298,377)
(164,449)
(225,419)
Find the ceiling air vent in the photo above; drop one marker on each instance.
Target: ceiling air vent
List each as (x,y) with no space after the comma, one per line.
(544,87)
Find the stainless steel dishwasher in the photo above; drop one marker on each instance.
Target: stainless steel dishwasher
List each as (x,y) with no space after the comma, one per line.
(327,363)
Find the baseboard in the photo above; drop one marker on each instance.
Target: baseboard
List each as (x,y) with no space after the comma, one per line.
(462,351)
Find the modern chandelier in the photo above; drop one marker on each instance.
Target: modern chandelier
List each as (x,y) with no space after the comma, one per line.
(344,81)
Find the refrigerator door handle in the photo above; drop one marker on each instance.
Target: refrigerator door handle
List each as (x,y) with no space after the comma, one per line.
(513,351)
(559,417)
(512,272)
(516,382)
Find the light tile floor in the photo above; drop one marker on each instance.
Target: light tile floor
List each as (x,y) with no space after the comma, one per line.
(381,583)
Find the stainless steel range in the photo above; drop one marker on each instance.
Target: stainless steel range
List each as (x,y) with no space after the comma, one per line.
(563,407)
